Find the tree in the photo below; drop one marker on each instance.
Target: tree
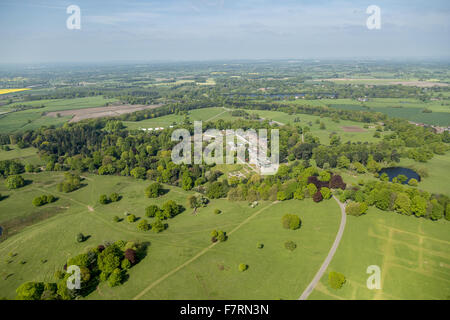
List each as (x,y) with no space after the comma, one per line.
(343,162)
(437,211)
(30,291)
(130,255)
(243,267)
(291,221)
(413,182)
(336,280)
(138,173)
(447,212)
(403,204)
(104,199)
(170,209)
(114,197)
(158,225)
(419,206)
(186,181)
(143,225)
(152,210)
(217,190)
(116,277)
(14,182)
(317,197)
(154,190)
(131,218)
(222,236)
(109,259)
(312,189)
(80,237)
(324,176)
(326,193)
(290,245)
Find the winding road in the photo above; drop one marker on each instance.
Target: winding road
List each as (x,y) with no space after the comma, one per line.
(330,255)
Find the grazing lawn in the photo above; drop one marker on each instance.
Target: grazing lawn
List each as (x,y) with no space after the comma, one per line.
(205,114)
(438,179)
(274,272)
(25,155)
(413,255)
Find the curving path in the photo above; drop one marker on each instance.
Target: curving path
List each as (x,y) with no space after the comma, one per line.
(330,255)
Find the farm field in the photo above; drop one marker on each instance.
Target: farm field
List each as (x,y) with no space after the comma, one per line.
(11,121)
(5,91)
(412,254)
(207,276)
(406,108)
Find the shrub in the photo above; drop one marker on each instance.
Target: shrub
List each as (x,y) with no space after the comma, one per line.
(336,279)
(259,245)
(291,221)
(217,211)
(152,210)
(30,291)
(143,225)
(131,218)
(116,219)
(170,209)
(290,245)
(243,267)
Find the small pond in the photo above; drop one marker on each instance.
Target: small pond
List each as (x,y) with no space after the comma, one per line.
(396,171)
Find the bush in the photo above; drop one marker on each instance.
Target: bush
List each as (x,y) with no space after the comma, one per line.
(260,245)
(291,221)
(336,279)
(131,218)
(355,208)
(243,267)
(214,233)
(116,219)
(44,199)
(290,245)
(217,211)
(152,210)
(170,209)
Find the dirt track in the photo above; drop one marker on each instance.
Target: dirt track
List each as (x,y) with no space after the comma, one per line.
(90,113)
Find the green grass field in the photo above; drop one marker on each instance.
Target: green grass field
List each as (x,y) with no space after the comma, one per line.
(33,119)
(26,155)
(412,254)
(173,267)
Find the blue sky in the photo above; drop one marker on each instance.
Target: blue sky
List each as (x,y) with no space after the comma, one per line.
(126,30)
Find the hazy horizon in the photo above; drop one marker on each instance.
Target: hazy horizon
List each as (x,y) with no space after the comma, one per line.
(221,30)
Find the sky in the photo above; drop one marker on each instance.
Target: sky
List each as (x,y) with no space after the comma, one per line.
(34,31)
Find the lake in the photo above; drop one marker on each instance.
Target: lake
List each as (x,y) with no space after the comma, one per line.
(395,171)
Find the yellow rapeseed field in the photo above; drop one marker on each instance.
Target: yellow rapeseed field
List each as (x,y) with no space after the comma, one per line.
(3,91)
